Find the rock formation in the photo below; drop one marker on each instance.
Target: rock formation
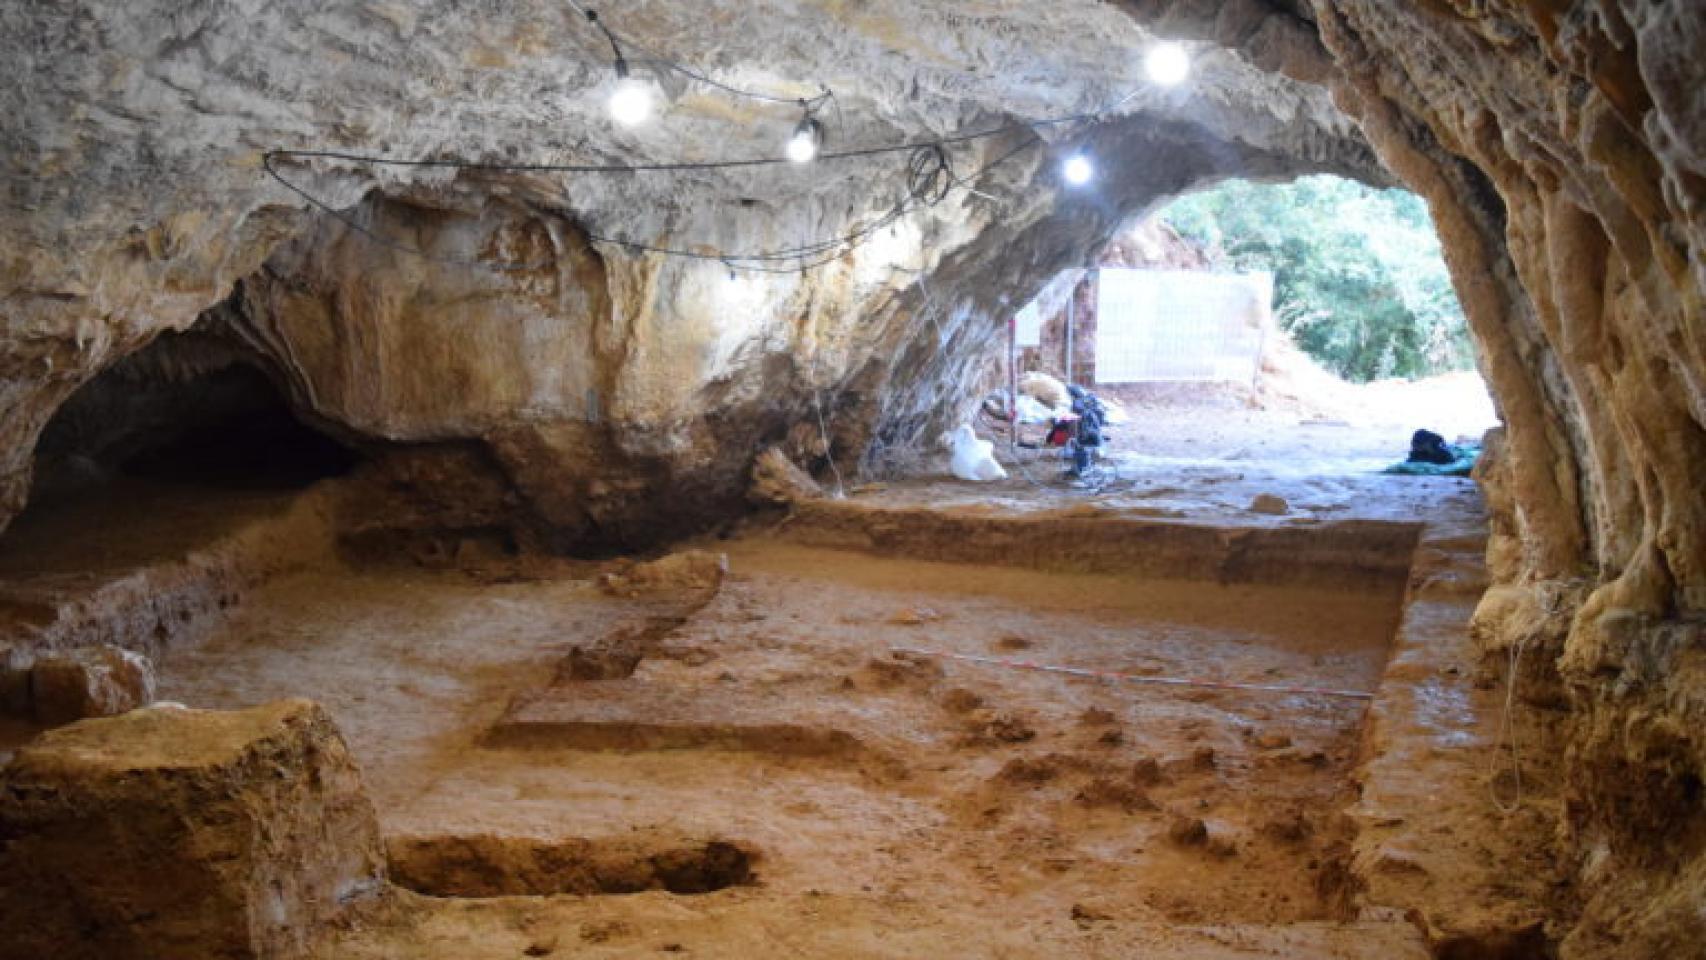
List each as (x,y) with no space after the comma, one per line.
(596,379)
(1561,148)
(239,834)
(470,330)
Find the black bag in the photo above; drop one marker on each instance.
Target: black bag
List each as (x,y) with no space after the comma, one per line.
(1429,447)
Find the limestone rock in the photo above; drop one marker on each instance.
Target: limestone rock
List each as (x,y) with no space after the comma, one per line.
(185,834)
(697,570)
(616,396)
(84,682)
(620,394)
(1187,831)
(777,480)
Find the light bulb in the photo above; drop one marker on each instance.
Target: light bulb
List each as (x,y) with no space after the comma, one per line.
(1077,170)
(1167,64)
(801,148)
(806,140)
(631,102)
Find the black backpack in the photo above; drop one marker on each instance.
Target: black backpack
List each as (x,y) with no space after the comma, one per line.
(1429,447)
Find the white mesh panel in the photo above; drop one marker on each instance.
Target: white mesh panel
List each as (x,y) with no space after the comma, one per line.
(1173,325)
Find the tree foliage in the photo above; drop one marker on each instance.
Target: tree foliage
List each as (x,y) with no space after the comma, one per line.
(1359,281)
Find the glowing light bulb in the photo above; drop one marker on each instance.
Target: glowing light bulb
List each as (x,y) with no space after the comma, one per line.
(631,102)
(1167,64)
(1077,170)
(806,141)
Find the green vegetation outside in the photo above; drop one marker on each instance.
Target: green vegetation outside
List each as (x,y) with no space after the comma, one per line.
(1359,281)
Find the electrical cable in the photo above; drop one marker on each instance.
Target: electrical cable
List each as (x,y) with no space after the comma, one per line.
(929,175)
(1507,737)
(655,60)
(834,248)
(592,18)
(929,180)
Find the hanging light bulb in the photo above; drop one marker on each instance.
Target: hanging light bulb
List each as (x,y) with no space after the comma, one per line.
(806,140)
(1077,170)
(1167,64)
(631,101)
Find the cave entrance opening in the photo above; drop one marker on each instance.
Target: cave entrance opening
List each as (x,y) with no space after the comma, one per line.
(165,451)
(1256,337)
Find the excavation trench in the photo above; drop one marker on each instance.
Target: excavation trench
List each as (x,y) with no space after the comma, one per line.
(849,704)
(516,728)
(494,866)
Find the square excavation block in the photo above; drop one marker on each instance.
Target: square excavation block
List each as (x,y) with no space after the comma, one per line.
(174,834)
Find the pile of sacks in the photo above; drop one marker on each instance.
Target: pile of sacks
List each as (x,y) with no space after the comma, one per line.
(1043,398)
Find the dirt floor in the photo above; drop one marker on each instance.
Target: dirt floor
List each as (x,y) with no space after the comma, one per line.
(819,759)
(1028,798)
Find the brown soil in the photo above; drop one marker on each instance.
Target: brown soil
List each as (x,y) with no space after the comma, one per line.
(787,765)
(482,865)
(956,789)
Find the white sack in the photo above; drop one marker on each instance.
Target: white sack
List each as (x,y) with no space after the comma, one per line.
(973,459)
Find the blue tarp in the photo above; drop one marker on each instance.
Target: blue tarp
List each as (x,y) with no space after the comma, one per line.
(1459,467)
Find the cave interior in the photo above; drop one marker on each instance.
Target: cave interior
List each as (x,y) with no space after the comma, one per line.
(473,484)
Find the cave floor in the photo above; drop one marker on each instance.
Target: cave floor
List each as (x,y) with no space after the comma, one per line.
(877,803)
(126,525)
(1035,813)
(1204,466)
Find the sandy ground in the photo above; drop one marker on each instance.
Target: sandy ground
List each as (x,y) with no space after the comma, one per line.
(1202,457)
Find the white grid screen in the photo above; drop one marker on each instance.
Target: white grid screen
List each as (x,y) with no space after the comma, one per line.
(1173,325)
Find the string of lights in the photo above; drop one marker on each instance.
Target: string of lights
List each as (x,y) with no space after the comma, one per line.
(928,177)
(929,180)
(652,59)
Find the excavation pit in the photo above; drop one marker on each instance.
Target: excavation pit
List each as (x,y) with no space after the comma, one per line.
(951,713)
(483,865)
(787,712)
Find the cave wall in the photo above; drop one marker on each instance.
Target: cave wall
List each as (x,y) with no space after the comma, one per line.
(1562,147)
(624,398)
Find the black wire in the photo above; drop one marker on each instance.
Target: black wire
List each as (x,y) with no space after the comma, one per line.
(929,176)
(683,165)
(349,221)
(691,74)
(592,18)
(850,241)
(656,61)
(836,246)
(929,180)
